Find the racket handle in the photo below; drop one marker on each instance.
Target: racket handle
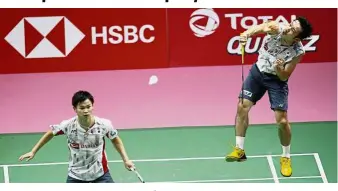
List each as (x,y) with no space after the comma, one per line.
(242,51)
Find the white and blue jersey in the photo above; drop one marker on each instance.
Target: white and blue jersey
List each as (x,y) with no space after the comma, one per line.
(272,49)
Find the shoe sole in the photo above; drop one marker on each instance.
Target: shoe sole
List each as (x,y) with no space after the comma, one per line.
(233,159)
(285,175)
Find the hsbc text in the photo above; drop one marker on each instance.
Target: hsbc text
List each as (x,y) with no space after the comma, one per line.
(122,34)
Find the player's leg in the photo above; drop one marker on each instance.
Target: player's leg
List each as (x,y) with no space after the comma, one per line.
(284,132)
(242,120)
(106,178)
(253,91)
(278,95)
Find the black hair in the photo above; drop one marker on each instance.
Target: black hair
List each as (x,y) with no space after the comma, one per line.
(81,96)
(306,28)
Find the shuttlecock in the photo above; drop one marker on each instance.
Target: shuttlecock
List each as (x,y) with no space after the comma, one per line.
(153,80)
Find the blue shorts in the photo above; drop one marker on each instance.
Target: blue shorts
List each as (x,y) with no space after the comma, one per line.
(106,178)
(257,83)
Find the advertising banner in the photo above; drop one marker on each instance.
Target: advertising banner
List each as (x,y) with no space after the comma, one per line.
(59,40)
(202,37)
(62,40)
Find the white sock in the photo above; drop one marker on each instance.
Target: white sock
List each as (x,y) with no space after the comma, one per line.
(240,142)
(286,151)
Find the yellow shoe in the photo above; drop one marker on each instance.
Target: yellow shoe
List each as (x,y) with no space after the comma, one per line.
(285,166)
(236,155)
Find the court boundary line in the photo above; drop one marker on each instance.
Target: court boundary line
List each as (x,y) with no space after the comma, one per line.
(6,174)
(273,169)
(269,157)
(320,167)
(238,180)
(157,160)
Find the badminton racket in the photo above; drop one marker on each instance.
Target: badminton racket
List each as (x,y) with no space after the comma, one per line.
(242,52)
(137,174)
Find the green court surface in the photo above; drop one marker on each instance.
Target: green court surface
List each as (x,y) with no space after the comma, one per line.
(187,154)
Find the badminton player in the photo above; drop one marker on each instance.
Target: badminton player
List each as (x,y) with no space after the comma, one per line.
(281,50)
(86,142)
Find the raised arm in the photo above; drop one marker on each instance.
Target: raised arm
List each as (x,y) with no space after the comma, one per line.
(270,27)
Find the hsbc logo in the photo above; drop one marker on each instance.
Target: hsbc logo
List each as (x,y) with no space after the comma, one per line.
(44,37)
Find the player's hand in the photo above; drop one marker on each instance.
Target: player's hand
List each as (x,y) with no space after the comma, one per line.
(29,156)
(280,62)
(243,38)
(129,165)
(286,30)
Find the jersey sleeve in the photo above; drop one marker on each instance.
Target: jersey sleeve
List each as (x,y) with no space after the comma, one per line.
(60,129)
(111,131)
(299,48)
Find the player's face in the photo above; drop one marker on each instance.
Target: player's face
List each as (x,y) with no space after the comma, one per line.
(293,29)
(84,109)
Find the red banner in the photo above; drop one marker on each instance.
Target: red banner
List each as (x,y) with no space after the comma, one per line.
(57,40)
(200,37)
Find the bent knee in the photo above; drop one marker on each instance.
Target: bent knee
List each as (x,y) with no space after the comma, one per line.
(244,107)
(283,123)
(281,119)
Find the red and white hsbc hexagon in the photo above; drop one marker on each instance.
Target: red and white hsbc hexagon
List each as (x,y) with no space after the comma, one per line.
(44,37)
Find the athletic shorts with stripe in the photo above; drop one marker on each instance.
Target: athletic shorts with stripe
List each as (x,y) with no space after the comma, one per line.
(257,83)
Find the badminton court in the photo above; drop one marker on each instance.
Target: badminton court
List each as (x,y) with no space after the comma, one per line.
(307,168)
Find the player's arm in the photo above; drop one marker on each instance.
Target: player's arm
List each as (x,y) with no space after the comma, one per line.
(112,134)
(118,144)
(54,131)
(43,140)
(285,72)
(269,27)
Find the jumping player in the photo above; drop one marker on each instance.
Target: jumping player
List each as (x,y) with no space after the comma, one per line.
(85,134)
(280,52)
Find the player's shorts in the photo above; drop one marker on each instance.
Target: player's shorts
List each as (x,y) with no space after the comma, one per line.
(106,178)
(257,83)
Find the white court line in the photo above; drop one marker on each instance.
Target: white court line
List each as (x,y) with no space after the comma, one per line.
(158,160)
(320,167)
(6,175)
(238,180)
(273,169)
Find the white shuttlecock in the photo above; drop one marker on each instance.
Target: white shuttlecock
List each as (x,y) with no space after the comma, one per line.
(153,80)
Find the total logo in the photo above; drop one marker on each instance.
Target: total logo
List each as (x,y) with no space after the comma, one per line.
(57,36)
(239,22)
(206,29)
(44,37)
